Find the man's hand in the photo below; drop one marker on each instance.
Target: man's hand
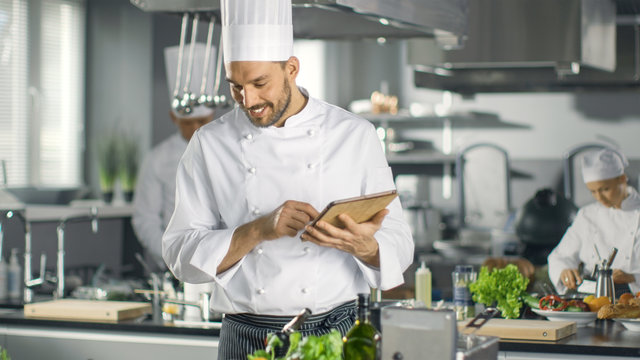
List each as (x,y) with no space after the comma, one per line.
(571,278)
(621,277)
(355,239)
(286,220)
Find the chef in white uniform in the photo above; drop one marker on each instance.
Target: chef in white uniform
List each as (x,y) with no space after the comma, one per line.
(156,187)
(612,221)
(250,182)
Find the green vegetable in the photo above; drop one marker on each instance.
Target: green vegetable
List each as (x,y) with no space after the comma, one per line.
(504,287)
(325,347)
(532,301)
(574,309)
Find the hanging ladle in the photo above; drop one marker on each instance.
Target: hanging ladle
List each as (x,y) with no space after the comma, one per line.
(219,100)
(206,99)
(188,98)
(176,103)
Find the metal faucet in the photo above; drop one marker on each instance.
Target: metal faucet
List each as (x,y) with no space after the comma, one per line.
(28,281)
(93,217)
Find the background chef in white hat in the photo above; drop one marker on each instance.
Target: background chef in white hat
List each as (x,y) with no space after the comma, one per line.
(612,221)
(155,190)
(250,182)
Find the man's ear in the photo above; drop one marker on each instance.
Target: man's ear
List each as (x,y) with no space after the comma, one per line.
(292,67)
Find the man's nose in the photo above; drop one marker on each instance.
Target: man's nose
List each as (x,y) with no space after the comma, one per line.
(249,98)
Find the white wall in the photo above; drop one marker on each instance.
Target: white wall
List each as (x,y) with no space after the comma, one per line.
(557,122)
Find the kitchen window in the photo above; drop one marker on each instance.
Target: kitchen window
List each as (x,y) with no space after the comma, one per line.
(42,67)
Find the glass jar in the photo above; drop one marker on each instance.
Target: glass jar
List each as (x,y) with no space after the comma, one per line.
(462,276)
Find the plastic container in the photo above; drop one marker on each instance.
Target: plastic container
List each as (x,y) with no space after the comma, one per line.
(462,276)
(14,276)
(423,285)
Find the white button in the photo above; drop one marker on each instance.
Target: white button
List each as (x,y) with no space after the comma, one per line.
(311,166)
(252,170)
(311,132)
(306,249)
(259,251)
(248,136)
(260,291)
(256,211)
(305,290)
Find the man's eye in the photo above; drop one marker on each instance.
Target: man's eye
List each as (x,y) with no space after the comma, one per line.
(259,85)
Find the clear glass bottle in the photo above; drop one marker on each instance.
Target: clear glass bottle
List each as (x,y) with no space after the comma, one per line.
(362,341)
(462,276)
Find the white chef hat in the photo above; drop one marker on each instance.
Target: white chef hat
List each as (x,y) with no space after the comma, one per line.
(256,30)
(603,164)
(171,65)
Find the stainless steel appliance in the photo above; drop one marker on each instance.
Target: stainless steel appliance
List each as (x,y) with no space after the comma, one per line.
(415,333)
(445,20)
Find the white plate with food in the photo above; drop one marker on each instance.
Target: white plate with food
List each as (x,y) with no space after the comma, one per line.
(630,324)
(581,318)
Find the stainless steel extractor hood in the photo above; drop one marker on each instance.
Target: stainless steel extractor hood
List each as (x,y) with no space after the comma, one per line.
(445,20)
(537,45)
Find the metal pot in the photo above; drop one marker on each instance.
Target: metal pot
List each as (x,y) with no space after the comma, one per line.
(426,225)
(544,219)
(542,222)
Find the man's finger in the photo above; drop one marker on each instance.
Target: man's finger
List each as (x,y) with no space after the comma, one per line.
(303,207)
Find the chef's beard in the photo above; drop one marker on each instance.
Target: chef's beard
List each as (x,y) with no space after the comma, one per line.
(278,111)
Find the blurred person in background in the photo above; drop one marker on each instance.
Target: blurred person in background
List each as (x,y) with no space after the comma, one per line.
(154,198)
(612,221)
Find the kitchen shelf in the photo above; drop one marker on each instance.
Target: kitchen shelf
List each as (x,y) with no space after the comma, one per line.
(459,120)
(420,163)
(431,163)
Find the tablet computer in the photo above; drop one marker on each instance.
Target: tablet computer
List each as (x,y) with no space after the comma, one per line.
(359,208)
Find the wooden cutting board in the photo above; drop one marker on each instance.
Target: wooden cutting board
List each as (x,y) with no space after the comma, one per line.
(86,310)
(524,329)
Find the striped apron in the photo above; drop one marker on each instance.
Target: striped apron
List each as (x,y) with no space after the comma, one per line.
(242,334)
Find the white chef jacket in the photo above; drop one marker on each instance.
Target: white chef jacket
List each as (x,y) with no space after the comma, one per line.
(233,172)
(155,194)
(604,228)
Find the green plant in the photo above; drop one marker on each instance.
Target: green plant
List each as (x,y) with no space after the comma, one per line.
(4,355)
(129,162)
(108,162)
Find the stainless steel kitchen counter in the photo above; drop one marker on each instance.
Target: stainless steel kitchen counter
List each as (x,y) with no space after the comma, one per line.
(16,317)
(26,338)
(604,338)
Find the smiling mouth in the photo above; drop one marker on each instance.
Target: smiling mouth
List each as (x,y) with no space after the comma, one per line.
(257,111)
